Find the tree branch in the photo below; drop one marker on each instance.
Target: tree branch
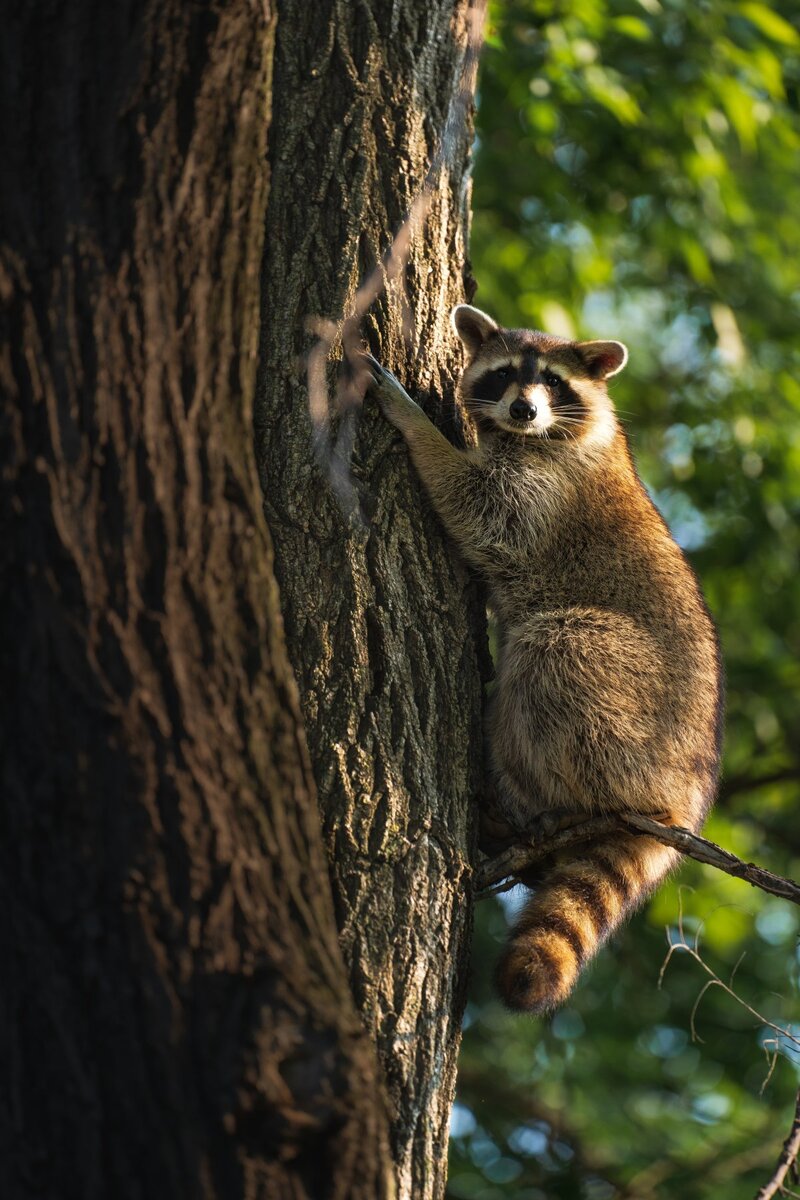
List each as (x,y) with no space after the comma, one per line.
(525,854)
(787,1160)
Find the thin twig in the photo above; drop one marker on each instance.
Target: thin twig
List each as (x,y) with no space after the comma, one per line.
(526,853)
(783,1039)
(700,848)
(788,1158)
(783,1034)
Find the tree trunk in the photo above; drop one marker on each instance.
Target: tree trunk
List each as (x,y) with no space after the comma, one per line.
(176,1017)
(384,630)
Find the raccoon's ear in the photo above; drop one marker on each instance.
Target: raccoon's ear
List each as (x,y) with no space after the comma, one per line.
(602,359)
(472,326)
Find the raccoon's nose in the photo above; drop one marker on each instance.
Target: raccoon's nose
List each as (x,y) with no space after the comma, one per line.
(522,410)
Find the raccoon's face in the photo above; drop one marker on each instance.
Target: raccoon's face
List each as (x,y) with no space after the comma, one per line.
(536,385)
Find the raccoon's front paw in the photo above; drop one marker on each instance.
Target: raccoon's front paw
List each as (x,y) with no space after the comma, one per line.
(395,402)
(383,381)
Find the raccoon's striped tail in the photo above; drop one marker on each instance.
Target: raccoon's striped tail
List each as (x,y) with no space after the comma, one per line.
(577,905)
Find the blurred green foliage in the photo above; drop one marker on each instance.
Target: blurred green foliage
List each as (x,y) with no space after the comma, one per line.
(637,176)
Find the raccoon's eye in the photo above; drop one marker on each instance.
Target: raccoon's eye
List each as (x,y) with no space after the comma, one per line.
(502,372)
(550,379)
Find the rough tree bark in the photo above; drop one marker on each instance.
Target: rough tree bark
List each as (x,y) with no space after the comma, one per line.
(384,630)
(175,1017)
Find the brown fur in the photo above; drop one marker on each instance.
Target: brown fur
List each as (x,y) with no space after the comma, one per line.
(608,693)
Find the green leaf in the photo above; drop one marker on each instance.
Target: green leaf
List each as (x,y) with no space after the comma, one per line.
(609,92)
(739,106)
(633,27)
(771,23)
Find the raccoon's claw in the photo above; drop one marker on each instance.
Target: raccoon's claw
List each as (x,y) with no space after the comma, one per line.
(386,386)
(373,366)
(380,375)
(393,400)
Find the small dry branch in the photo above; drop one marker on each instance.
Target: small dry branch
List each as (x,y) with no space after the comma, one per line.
(497,874)
(786,1162)
(781,1040)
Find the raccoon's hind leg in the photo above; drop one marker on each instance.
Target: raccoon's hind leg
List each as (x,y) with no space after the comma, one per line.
(494,832)
(497,830)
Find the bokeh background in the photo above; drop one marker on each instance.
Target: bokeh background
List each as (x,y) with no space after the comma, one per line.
(637,176)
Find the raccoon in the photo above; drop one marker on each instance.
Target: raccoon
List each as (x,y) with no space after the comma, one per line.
(609,693)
